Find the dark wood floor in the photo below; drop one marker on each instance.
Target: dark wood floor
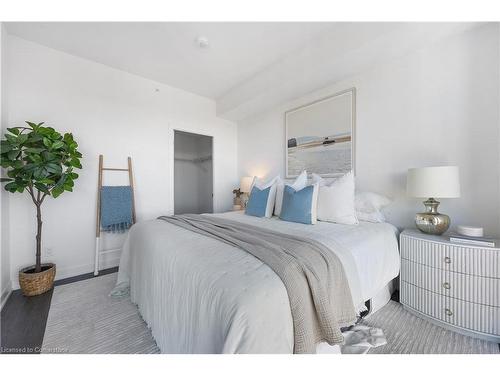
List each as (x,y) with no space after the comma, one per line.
(23,319)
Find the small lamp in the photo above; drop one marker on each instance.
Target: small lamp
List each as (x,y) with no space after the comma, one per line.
(246,184)
(430,183)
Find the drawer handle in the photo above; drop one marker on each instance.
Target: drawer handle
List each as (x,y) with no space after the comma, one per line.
(447,260)
(446,285)
(448,312)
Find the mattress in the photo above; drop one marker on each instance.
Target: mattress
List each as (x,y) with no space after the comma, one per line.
(199,295)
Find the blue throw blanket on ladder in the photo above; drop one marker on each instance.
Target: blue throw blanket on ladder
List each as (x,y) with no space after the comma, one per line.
(116,208)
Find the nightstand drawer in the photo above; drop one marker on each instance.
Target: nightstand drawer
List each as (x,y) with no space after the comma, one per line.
(471,316)
(423,301)
(476,289)
(476,261)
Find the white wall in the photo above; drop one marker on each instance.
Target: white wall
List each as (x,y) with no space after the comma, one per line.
(113,113)
(193,181)
(437,106)
(5,285)
(205,170)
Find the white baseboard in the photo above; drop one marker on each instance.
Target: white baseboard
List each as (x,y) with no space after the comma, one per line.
(109,258)
(5,294)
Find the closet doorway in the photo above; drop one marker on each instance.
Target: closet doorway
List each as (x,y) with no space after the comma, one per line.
(193,173)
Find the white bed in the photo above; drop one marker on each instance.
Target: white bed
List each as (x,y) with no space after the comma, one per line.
(199,295)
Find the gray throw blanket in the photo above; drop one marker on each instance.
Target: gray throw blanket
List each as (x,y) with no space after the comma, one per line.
(318,291)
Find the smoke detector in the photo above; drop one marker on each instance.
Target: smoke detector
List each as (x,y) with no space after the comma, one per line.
(202,42)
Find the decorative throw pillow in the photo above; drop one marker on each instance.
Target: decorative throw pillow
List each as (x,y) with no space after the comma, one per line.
(271,197)
(300,205)
(336,200)
(257,203)
(369,206)
(299,183)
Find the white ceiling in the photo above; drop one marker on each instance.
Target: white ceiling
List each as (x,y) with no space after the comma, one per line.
(345,50)
(166,51)
(248,67)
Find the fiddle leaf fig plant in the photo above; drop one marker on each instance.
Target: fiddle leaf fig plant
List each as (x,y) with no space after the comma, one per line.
(40,161)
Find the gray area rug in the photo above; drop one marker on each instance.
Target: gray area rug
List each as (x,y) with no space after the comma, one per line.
(84,319)
(409,334)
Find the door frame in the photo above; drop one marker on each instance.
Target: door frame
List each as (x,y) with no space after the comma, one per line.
(187,129)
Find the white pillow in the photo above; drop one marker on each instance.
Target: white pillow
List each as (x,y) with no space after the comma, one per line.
(314,210)
(369,206)
(272,193)
(336,200)
(299,183)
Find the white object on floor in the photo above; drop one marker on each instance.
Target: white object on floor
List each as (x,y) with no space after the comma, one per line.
(200,295)
(470,231)
(454,285)
(359,339)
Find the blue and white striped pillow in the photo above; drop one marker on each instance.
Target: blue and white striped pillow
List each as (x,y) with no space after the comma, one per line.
(271,197)
(257,203)
(300,206)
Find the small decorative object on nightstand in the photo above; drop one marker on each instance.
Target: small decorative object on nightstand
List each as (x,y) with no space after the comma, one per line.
(457,286)
(433,182)
(242,193)
(467,230)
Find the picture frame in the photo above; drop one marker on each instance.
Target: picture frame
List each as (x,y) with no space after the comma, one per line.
(320,136)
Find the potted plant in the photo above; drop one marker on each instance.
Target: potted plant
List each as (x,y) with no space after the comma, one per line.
(40,161)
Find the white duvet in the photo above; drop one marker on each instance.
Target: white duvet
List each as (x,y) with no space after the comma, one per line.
(199,295)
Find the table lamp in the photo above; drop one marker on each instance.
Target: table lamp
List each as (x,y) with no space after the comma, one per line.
(246,184)
(431,183)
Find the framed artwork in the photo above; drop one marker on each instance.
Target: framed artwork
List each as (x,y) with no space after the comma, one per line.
(320,136)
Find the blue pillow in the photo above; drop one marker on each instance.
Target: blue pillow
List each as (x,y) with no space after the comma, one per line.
(257,203)
(299,205)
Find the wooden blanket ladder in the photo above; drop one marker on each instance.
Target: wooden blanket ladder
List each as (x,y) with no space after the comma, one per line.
(98,216)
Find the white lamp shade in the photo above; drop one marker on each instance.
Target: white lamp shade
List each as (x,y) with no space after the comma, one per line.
(433,182)
(246,184)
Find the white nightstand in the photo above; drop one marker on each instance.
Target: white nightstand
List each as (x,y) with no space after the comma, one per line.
(456,286)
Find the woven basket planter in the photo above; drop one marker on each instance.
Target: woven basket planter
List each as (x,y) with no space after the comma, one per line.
(33,284)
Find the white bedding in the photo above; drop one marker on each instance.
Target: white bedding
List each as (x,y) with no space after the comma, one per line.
(199,295)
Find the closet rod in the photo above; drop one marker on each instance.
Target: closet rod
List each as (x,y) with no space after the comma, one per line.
(197,160)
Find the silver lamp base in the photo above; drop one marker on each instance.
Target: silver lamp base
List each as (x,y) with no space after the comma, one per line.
(431,221)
